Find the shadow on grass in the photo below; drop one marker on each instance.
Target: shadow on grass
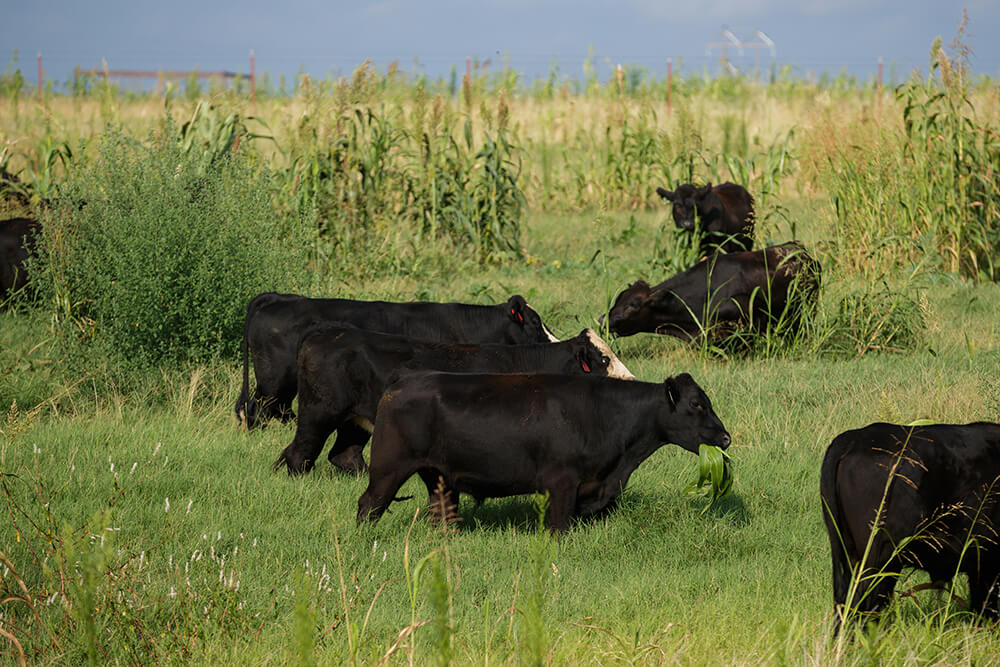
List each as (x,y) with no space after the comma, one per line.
(518,512)
(731,509)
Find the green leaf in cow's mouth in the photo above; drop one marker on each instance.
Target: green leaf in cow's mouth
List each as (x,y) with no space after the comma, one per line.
(715,477)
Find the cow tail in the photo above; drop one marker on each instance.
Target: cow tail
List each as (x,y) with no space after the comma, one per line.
(838,530)
(243,401)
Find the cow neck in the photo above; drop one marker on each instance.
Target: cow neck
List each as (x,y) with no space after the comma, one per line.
(641,440)
(646,398)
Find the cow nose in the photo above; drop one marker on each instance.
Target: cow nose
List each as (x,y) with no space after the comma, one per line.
(725,440)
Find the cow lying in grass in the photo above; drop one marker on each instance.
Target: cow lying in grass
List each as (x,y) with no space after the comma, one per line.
(764,290)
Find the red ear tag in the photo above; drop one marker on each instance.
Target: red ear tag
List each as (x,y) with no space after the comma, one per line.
(583,364)
(520,318)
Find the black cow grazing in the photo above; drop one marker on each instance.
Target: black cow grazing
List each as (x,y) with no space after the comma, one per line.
(275,324)
(938,485)
(342,373)
(725,212)
(771,287)
(576,438)
(17,243)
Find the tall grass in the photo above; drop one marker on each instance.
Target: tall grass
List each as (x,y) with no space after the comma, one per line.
(925,187)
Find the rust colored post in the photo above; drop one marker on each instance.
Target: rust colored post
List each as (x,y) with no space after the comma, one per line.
(39,76)
(670,80)
(253,83)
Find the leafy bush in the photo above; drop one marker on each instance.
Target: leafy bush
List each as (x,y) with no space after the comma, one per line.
(877,319)
(157,251)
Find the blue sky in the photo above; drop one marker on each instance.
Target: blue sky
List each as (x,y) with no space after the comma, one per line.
(431,36)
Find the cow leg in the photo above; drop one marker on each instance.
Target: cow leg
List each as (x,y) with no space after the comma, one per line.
(841,576)
(984,593)
(562,489)
(272,398)
(311,433)
(264,406)
(874,591)
(442,499)
(380,493)
(346,451)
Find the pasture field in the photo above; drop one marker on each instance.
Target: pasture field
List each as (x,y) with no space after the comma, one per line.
(140,525)
(189,548)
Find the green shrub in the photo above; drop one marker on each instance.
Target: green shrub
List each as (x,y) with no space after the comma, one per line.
(877,319)
(156,252)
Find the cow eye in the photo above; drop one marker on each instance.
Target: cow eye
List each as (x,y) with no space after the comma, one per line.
(604,360)
(696,405)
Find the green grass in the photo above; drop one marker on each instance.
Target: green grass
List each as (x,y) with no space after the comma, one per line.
(247,566)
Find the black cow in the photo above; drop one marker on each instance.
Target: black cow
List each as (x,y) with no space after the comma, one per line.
(275,324)
(763,288)
(725,212)
(342,373)
(17,243)
(576,438)
(938,488)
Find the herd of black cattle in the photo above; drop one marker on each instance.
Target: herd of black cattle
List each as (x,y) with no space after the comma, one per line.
(484,400)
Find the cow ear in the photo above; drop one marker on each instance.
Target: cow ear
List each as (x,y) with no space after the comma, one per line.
(675,385)
(666,194)
(640,284)
(672,391)
(581,357)
(705,190)
(517,305)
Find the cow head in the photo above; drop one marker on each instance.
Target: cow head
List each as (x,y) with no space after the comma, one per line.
(594,356)
(631,312)
(525,324)
(687,418)
(687,200)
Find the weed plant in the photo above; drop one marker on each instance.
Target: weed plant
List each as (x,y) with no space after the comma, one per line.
(927,189)
(153,253)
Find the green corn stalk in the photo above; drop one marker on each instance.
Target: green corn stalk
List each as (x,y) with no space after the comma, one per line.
(715,476)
